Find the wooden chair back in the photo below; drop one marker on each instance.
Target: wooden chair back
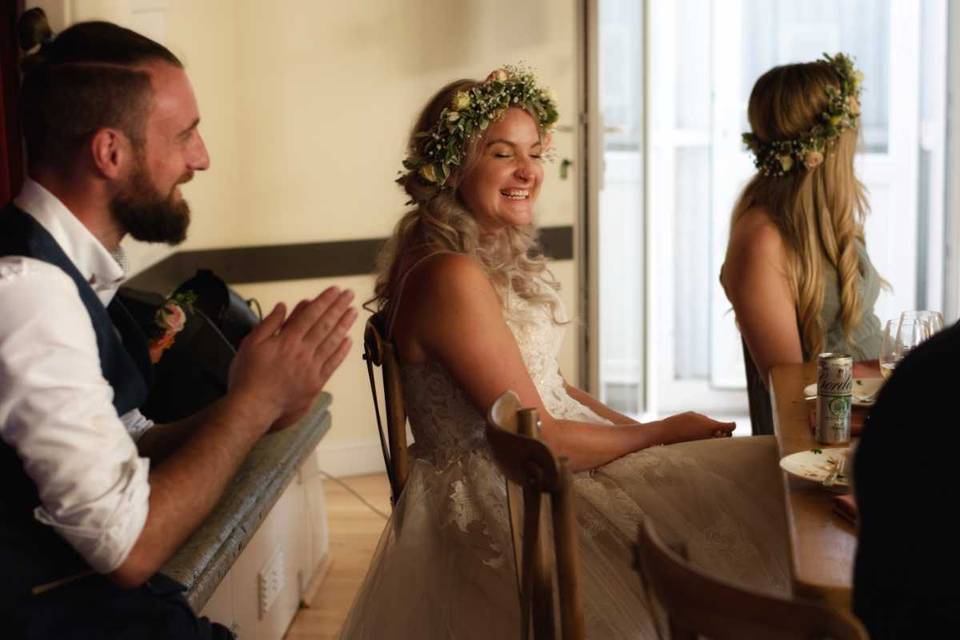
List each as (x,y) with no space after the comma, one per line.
(379,351)
(761,413)
(540,500)
(697,604)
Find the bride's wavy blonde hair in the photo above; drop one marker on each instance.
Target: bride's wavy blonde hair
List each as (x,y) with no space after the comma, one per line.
(440,222)
(820,211)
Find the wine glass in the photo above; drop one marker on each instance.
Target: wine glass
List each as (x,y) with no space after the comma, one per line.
(932,319)
(913,330)
(889,355)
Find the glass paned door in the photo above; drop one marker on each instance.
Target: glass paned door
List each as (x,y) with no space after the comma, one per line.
(682,349)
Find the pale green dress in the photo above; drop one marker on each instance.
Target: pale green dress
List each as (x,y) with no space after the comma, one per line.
(864,341)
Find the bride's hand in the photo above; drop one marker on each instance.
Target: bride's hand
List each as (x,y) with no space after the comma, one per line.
(694,426)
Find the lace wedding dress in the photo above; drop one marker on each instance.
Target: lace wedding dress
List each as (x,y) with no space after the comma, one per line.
(444,565)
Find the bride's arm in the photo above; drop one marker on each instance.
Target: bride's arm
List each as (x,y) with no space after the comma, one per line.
(453,315)
(596,406)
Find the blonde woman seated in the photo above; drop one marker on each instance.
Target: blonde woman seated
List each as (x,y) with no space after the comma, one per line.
(796,269)
(474,311)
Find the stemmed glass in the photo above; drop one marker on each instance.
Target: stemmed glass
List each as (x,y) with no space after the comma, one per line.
(903,335)
(889,354)
(933,320)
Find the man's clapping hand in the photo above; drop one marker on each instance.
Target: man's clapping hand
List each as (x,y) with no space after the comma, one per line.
(285,361)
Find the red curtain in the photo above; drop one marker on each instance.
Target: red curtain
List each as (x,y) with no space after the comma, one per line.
(11,149)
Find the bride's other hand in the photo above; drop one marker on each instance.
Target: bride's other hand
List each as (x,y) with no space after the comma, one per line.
(694,426)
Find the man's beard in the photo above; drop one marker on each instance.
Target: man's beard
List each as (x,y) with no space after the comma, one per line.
(143,212)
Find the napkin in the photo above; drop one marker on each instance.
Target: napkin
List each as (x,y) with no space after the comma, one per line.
(846,507)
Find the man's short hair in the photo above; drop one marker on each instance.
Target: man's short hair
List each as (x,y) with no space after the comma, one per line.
(87,78)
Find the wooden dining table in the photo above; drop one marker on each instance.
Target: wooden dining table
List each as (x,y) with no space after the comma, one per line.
(822,544)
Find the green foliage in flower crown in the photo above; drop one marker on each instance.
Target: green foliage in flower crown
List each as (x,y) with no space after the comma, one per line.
(470,113)
(780,157)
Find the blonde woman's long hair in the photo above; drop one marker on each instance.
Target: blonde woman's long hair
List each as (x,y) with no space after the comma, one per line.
(440,223)
(819,212)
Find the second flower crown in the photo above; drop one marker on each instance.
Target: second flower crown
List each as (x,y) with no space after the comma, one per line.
(806,151)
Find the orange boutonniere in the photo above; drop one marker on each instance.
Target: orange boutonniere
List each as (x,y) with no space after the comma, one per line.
(170,320)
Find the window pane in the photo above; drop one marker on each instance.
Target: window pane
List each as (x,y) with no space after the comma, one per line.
(621,74)
(691,256)
(781,31)
(692,59)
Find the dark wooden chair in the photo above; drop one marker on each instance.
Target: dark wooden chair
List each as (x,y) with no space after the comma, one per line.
(540,499)
(761,413)
(697,604)
(379,351)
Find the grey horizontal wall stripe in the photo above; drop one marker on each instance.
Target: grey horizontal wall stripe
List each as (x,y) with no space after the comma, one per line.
(276,263)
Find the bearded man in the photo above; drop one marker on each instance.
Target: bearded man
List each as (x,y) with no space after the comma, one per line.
(111,128)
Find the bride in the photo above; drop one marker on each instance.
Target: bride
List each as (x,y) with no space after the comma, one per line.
(474,311)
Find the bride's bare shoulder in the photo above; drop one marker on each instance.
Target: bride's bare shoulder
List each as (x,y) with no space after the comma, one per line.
(444,293)
(446,277)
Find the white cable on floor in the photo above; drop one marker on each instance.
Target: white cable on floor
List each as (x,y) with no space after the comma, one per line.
(355,494)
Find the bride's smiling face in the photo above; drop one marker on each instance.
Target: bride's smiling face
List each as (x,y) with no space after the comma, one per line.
(501,185)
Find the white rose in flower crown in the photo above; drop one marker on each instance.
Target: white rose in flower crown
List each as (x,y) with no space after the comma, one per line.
(812,159)
(498,74)
(452,116)
(549,94)
(461,101)
(786,162)
(173,317)
(428,173)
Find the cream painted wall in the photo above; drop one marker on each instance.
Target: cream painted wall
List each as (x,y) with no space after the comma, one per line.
(306,106)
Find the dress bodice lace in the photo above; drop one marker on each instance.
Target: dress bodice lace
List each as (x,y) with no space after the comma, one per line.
(445,423)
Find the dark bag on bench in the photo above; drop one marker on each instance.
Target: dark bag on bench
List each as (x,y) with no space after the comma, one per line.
(193,371)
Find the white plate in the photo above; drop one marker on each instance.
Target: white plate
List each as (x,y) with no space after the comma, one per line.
(862,388)
(815,465)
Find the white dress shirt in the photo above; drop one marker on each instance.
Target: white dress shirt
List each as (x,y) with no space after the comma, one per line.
(56,408)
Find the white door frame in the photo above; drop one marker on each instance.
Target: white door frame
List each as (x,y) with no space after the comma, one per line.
(952,223)
(587,246)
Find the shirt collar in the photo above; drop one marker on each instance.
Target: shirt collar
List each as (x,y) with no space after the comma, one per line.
(103,270)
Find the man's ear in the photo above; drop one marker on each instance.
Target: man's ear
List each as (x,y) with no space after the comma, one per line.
(110,152)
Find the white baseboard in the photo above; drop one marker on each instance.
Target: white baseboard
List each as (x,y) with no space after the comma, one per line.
(353,459)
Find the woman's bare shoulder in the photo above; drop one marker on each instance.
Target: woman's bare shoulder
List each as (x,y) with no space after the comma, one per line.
(446,274)
(445,297)
(755,240)
(756,248)
(756,230)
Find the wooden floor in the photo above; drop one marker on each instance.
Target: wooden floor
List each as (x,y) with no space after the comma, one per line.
(354,531)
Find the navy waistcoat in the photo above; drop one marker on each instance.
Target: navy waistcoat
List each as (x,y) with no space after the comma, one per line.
(32,553)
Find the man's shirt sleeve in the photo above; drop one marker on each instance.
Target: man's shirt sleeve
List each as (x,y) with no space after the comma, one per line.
(56,411)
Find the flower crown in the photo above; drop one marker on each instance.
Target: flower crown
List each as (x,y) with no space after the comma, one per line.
(779,158)
(472,111)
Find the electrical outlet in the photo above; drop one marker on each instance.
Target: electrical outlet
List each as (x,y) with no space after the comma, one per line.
(270,582)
